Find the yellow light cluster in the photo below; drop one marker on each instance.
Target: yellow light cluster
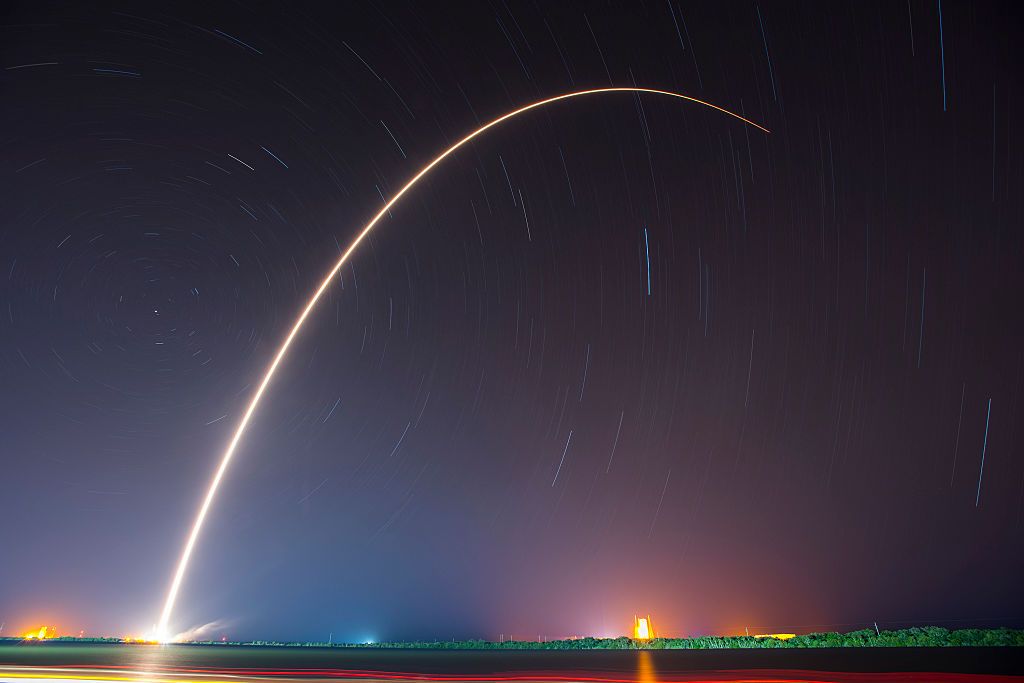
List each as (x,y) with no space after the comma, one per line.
(42,633)
(643,628)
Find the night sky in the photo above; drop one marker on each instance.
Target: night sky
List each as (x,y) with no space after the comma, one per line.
(624,354)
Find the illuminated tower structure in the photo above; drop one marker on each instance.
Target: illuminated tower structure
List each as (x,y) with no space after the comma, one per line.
(643,628)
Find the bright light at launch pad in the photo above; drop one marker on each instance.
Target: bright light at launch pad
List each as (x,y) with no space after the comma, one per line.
(643,628)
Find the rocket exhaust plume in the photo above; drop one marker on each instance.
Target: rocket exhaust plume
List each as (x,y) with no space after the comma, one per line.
(211,492)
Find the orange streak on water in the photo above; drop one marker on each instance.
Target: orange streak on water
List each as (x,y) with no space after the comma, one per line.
(645,674)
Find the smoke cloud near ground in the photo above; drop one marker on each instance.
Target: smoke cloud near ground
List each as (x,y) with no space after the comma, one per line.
(207,631)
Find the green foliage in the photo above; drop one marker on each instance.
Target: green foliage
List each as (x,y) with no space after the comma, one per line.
(922,636)
(927,636)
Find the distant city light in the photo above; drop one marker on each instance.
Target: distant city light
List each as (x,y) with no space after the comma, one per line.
(776,636)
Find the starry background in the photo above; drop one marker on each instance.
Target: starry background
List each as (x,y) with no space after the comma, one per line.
(501,421)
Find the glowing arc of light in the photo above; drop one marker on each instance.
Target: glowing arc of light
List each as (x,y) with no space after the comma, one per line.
(283,350)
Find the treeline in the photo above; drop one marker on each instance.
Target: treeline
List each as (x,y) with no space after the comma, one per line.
(928,636)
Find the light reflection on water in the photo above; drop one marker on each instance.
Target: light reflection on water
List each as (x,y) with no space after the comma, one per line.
(197,664)
(645,667)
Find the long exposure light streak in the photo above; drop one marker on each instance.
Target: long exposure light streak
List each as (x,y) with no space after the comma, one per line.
(211,492)
(645,674)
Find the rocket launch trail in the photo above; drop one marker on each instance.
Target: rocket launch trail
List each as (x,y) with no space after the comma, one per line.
(225,460)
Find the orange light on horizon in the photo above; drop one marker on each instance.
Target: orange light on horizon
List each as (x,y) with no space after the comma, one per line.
(643,628)
(42,633)
(776,636)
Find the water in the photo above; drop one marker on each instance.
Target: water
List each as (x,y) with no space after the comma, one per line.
(644,666)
